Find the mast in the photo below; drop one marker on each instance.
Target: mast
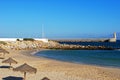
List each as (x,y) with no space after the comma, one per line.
(43,35)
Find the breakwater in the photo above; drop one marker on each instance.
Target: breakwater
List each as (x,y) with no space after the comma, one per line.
(26,45)
(79,47)
(115,45)
(86,40)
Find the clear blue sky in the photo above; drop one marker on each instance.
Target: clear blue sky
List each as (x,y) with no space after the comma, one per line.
(61,18)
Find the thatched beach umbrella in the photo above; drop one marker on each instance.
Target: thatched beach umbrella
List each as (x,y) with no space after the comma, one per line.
(25,68)
(3,51)
(45,78)
(10,61)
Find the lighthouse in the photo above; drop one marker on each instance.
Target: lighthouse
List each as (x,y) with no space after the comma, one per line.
(114,38)
(115,35)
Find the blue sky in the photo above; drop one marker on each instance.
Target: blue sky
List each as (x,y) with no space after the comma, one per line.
(61,18)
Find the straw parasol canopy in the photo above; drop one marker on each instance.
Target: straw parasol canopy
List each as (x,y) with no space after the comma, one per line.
(25,68)
(3,51)
(10,61)
(45,78)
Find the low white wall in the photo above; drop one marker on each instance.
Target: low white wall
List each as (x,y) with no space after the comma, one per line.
(112,40)
(10,39)
(14,39)
(44,40)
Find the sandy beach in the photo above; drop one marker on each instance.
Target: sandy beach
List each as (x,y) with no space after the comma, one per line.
(56,70)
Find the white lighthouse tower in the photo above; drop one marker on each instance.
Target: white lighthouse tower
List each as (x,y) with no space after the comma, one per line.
(114,38)
(115,35)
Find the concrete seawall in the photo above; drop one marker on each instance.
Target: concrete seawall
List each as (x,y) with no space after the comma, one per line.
(87,40)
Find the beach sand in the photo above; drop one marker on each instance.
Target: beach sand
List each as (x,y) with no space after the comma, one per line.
(56,70)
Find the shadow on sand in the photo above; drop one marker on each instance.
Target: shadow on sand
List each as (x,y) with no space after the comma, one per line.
(4,66)
(2,58)
(12,78)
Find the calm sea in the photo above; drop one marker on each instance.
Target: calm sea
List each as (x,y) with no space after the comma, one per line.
(110,58)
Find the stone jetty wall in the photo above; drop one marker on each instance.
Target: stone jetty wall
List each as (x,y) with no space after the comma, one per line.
(25,45)
(22,45)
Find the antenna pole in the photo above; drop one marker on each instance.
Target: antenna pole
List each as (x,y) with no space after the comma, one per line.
(43,31)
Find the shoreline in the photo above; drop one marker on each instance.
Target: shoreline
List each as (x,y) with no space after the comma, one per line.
(33,55)
(33,52)
(57,70)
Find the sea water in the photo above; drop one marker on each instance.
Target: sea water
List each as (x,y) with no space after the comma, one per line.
(109,58)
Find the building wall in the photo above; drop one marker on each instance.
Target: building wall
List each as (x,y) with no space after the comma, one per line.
(42,39)
(14,39)
(10,39)
(112,40)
